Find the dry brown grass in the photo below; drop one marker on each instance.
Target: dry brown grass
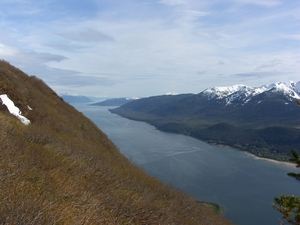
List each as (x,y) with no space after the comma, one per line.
(61,169)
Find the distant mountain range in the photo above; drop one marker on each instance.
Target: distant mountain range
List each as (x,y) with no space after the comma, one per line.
(75,99)
(114,101)
(263,120)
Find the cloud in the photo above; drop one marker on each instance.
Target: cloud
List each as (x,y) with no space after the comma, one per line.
(79,81)
(65,47)
(173,2)
(89,35)
(20,56)
(19,8)
(270,64)
(43,57)
(197,13)
(295,37)
(267,3)
(126,46)
(15,1)
(36,58)
(6,51)
(200,72)
(254,75)
(68,78)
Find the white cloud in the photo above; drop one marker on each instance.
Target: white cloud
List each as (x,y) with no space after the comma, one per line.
(173,2)
(89,35)
(164,46)
(65,47)
(271,64)
(292,36)
(7,51)
(15,1)
(197,13)
(267,3)
(31,57)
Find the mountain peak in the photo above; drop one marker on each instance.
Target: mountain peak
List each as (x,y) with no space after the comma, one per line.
(222,92)
(287,89)
(244,93)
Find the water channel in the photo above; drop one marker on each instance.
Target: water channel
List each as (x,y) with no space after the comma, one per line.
(243,185)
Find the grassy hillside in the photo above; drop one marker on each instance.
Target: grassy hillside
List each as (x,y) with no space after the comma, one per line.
(61,169)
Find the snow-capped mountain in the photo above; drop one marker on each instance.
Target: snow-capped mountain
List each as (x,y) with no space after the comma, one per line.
(243,93)
(264,120)
(268,104)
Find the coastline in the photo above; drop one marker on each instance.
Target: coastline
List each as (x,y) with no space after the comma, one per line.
(258,158)
(271,160)
(213,143)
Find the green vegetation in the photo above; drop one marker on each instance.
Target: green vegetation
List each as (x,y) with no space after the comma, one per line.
(289,206)
(264,138)
(61,169)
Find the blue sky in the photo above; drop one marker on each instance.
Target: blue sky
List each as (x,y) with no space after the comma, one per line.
(151,47)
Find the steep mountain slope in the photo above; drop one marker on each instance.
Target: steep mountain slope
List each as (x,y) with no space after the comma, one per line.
(61,169)
(239,116)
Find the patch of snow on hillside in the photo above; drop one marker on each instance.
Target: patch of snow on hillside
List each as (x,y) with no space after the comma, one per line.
(244,94)
(171,93)
(13,109)
(133,98)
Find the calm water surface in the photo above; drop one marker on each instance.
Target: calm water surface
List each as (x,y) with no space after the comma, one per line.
(244,186)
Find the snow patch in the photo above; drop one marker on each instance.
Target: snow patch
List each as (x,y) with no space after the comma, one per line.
(132,98)
(13,109)
(222,92)
(171,93)
(288,88)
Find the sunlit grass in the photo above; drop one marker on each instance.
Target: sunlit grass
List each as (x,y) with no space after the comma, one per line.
(61,169)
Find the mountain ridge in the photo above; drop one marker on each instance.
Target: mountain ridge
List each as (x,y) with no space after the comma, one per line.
(241,111)
(237,91)
(75,98)
(114,101)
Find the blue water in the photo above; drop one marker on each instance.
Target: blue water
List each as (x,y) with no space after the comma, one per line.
(243,185)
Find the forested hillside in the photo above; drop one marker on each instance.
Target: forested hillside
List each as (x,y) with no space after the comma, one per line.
(266,124)
(61,169)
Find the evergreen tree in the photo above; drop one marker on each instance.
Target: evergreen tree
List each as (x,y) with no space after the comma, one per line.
(289,206)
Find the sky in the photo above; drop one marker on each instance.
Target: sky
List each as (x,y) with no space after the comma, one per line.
(141,48)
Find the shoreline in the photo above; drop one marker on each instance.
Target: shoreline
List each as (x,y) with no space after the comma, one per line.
(271,160)
(258,158)
(220,145)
